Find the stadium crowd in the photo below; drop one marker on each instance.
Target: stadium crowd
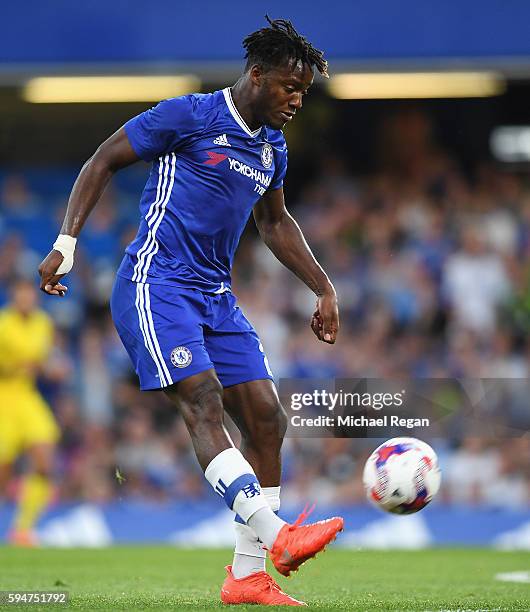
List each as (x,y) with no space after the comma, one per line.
(432,269)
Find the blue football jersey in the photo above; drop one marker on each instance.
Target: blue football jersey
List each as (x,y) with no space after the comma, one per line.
(209,170)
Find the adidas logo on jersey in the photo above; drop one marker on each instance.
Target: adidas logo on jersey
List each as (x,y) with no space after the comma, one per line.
(222,140)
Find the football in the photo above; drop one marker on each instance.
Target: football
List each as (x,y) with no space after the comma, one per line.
(402,475)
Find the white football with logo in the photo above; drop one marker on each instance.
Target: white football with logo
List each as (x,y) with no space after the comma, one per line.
(402,475)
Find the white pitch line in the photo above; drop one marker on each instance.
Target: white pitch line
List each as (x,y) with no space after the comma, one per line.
(513,577)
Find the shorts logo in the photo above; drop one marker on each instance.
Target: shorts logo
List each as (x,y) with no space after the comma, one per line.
(181,357)
(266,155)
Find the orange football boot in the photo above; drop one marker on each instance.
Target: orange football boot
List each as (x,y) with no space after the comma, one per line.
(297,543)
(24,538)
(258,588)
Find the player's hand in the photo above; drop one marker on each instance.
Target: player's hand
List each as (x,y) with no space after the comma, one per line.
(48,274)
(325,320)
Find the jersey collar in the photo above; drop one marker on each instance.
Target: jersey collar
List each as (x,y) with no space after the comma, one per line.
(235,114)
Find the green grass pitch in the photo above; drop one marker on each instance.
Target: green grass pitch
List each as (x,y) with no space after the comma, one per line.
(165,578)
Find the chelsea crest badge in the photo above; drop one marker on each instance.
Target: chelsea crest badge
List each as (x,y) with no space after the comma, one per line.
(266,155)
(181,357)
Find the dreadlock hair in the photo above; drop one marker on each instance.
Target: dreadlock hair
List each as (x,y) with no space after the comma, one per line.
(279,43)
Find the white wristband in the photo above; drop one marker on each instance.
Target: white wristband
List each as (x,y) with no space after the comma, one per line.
(66,246)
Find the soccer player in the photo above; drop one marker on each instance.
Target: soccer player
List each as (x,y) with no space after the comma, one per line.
(216,158)
(26,422)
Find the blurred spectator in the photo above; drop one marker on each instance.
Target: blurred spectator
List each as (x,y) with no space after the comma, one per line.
(476,283)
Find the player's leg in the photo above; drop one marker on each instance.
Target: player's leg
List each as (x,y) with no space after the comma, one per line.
(256,410)
(35,494)
(41,434)
(10,437)
(200,401)
(238,356)
(27,422)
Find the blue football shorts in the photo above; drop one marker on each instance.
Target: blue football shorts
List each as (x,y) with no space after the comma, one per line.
(172,333)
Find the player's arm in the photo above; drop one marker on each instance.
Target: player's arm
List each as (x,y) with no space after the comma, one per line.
(115,153)
(283,236)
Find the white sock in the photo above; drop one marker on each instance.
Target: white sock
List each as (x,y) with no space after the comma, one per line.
(267,525)
(249,553)
(233,478)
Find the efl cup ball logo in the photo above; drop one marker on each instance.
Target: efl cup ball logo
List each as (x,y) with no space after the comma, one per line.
(181,357)
(266,155)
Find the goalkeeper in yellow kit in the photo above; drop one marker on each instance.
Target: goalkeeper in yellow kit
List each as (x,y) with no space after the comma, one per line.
(26,422)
